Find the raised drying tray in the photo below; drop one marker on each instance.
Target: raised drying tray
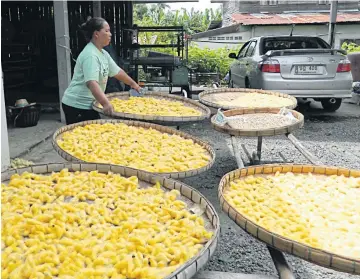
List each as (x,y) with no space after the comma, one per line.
(314,255)
(58,134)
(273,131)
(212,98)
(166,120)
(193,198)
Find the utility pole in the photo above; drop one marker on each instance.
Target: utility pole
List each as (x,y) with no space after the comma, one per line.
(96,8)
(332,22)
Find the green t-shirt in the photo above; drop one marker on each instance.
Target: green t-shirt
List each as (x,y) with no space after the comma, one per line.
(92,64)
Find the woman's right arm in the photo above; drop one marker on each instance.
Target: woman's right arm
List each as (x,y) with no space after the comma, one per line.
(91,70)
(100,96)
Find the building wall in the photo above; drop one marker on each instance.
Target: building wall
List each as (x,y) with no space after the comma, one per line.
(342,32)
(279,6)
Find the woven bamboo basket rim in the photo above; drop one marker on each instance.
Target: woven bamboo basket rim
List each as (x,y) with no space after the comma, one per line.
(190,195)
(206,93)
(308,253)
(67,156)
(205,111)
(280,130)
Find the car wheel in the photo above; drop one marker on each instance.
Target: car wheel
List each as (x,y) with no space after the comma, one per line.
(331,104)
(231,83)
(247,83)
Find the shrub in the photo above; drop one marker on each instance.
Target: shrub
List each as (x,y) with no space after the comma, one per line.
(351,47)
(205,60)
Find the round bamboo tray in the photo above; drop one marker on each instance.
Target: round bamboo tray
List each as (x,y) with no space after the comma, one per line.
(317,256)
(257,133)
(58,134)
(169,120)
(196,202)
(211,97)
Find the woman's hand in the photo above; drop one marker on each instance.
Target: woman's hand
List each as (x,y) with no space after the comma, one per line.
(108,108)
(100,96)
(122,76)
(136,87)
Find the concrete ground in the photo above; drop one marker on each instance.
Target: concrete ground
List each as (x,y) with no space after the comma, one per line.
(332,137)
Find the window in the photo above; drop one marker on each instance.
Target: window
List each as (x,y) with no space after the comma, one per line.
(251,49)
(231,38)
(272,2)
(283,43)
(264,2)
(243,50)
(227,38)
(236,38)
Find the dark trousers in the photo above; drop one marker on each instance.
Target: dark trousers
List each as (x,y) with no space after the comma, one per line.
(75,115)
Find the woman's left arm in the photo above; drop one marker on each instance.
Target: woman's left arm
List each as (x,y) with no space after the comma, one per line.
(124,77)
(118,73)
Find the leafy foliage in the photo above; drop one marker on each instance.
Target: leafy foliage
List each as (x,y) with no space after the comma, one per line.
(209,60)
(351,47)
(161,15)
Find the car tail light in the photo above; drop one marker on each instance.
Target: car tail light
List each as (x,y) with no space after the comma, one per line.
(344,66)
(270,66)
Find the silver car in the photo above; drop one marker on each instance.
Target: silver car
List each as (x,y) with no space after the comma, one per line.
(304,67)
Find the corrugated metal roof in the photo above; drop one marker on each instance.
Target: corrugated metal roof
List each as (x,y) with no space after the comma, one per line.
(280,19)
(214,32)
(214,24)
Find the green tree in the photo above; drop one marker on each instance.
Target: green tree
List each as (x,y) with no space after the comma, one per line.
(161,15)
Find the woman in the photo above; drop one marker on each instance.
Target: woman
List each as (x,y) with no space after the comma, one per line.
(92,69)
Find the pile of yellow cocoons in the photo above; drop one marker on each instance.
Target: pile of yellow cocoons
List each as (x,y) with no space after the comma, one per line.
(254,100)
(136,147)
(153,106)
(94,225)
(316,210)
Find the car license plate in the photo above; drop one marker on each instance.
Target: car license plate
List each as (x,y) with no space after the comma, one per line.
(307,70)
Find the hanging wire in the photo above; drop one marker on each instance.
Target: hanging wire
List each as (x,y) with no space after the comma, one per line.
(65,47)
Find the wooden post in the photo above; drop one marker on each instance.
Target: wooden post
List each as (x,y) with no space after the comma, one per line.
(5,153)
(303,150)
(96,8)
(281,264)
(237,154)
(62,48)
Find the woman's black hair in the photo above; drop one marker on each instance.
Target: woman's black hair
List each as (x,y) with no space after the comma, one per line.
(92,25)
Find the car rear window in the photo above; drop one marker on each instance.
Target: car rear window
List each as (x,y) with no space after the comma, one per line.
(292,43)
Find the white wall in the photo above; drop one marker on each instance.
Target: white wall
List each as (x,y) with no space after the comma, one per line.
(217,45)
(5,155)
(343,31)
(244,33)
